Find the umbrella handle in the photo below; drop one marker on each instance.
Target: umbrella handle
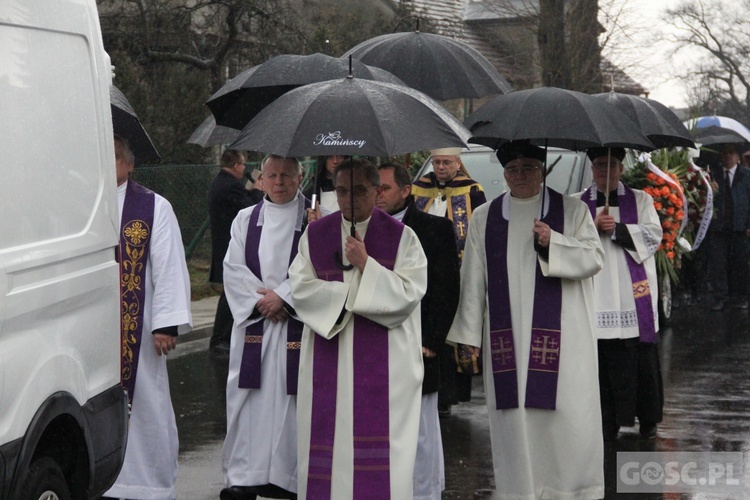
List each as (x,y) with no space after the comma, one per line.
(314,200)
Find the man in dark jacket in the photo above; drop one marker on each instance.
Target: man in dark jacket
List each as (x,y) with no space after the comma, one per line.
(226,196)
(437,310)
(729,230)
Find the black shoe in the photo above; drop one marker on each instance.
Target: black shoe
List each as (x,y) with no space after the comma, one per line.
(222,348)
(718,306)
(238,493)
(648,430)
(742,304)
(610,431)
(444,411)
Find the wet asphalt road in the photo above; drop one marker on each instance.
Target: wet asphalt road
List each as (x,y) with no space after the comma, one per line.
(705,360)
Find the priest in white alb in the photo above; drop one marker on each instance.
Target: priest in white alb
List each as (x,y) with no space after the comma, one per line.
(155,301)
(260,450)
(527,300)
(627,318)
(360,384)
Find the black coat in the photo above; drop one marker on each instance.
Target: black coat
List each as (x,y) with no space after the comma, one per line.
(226,197)
(440,303)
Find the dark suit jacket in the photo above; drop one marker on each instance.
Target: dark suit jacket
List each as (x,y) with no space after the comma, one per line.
(226,196)
(740,198)
(440,303)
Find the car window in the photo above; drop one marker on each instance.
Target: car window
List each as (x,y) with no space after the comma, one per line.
(570,173)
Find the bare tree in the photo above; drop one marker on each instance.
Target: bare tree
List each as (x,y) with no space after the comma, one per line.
(720,79)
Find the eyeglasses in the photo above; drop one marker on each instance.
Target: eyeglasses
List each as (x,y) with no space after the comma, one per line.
(523,169)
(447,163)
(359,191)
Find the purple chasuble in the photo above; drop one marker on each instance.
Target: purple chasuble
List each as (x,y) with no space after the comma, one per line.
(136,224)
(544,356)
(250,365)
(641,289)
(370,366)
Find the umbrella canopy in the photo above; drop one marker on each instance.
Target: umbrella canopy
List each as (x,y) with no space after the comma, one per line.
(655,120)
(709,130)
(242,97)
(127,125)
(348,117)
(439,66)
(209,133)
(550,116)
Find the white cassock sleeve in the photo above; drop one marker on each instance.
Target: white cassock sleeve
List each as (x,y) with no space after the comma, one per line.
(468,323)
(240,284)
(647,234)
(170,299)
(578,253)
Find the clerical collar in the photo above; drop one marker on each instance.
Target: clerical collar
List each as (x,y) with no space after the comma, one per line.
(399,216)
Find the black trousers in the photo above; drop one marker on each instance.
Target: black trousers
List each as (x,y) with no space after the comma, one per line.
(728,267)
(630,383)
(223,323)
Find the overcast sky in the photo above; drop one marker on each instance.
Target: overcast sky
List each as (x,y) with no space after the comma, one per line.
(659,66)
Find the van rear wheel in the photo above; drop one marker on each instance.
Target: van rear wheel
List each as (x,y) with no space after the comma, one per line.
(45,481)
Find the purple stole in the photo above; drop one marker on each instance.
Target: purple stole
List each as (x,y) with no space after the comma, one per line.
(135,242)
(370,366)
(544,356)
(250,366)
(639,279)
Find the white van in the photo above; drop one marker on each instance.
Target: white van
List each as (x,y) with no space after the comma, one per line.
(63,414)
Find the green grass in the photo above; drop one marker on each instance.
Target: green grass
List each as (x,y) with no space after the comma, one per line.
(199,287)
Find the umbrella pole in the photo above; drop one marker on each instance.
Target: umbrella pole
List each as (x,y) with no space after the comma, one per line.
(351,192)
(544,180)
(606,195)
(315,185)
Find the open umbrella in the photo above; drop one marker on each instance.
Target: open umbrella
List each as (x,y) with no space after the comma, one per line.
(655,120)
(351,117)
(127,125)
(439,66)
(709,130)
(242,97)
(209,133)
(550,116)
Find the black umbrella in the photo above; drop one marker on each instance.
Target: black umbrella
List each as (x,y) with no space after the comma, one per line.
(209,133)
(351,117)
(656,121)
(439,66)
(127,125)
(550,116)
(242,97)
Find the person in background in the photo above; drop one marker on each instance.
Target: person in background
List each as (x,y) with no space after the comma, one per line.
(361,367)
(323,182)
(437,310)
(449,191)
(527,295)
(226,197)
(625,292)
(729,230)
(254,186)
(260,449)
(153,314)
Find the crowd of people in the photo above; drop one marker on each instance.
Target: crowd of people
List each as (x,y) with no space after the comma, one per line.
(355,313)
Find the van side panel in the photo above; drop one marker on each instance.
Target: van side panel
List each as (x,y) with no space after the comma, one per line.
(59,280)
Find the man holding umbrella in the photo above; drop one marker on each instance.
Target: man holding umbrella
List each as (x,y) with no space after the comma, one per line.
(361,364)
(627,318)
(541,367)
